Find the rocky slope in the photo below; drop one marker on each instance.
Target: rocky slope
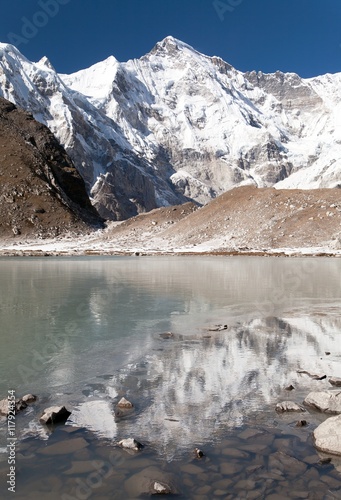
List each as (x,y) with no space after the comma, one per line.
(242,220)
(177,125)
(41,192)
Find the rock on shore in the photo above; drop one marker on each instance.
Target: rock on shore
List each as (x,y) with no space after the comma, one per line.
(325,401)
(327,436)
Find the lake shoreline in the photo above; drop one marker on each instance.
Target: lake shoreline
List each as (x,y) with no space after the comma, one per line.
(82,248)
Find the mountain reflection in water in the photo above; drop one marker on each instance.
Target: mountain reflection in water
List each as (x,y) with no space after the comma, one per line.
(190,389)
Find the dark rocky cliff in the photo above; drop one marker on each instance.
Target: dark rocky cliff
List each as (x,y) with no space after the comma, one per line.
(41,192)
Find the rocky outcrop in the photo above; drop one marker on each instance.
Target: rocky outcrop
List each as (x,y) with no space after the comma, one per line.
(41,192)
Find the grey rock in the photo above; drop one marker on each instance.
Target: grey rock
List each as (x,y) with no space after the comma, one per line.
(289,406)
(327,436)
(301,423)
(159,488)
(124,403)
(20,404)
(166,335)
(336,381)
(325,401)
(29,398)
(55,415)
(130,444)
(199,453)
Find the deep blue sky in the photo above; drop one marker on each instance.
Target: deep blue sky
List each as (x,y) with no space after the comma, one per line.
(302,36)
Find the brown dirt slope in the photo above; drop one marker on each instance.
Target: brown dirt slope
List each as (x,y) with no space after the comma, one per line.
(41,193)
(255,218)
(245,218)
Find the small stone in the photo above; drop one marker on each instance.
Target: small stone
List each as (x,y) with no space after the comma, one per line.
(217,328)
(130,444)
(289,406)
(124,403)
(160,489)
(327,353)
(199,453)
(336,381)
(166,335)
(29,398)
(55,415)
(301,423)
(290,388)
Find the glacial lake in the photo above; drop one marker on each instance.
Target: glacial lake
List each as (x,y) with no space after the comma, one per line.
(204,347)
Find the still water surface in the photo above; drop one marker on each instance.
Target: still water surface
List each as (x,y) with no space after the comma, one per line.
(86,331)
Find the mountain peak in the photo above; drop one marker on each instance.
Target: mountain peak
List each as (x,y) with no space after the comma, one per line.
(170,46)
(45,63)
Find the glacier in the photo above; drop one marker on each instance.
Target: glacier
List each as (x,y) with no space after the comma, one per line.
(176,125)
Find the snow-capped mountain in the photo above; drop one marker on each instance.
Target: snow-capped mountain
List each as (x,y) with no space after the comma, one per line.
(177,124)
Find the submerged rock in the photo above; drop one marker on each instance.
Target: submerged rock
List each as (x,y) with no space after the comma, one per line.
(325,401)
(151,481)
(130,444)
(327,436)
(289,406)
(159,488)
(55,415)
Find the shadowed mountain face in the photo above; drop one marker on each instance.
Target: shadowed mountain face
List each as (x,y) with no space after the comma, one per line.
(41,192)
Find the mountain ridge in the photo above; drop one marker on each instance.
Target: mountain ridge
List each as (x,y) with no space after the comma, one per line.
(177,126)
